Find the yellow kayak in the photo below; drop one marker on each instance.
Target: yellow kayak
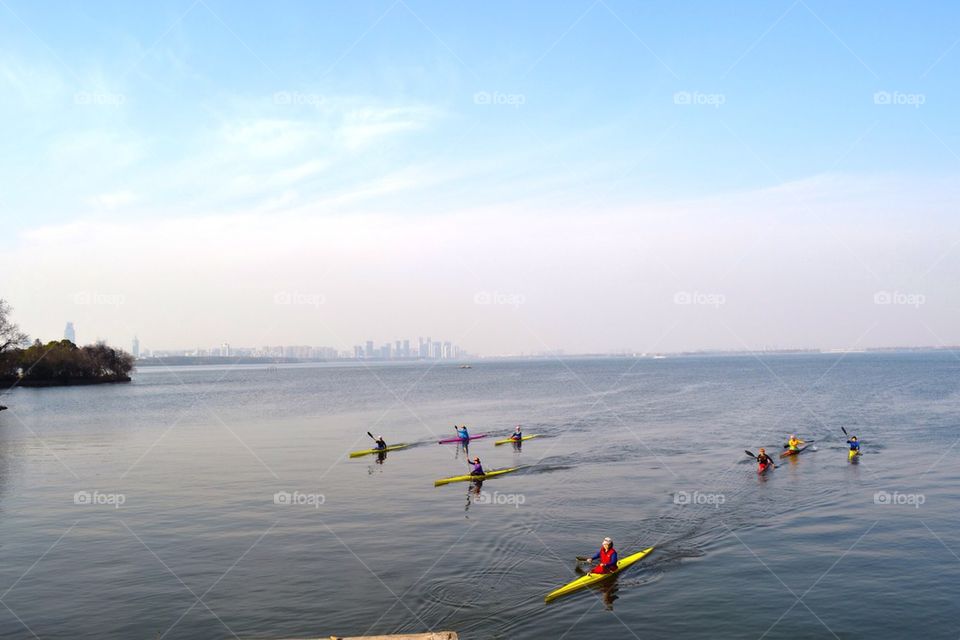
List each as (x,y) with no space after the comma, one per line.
(509,440)
(366,452)
(594,578)
(468,477)
(853,454)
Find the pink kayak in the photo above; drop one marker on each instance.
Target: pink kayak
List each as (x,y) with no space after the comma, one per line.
(452,440)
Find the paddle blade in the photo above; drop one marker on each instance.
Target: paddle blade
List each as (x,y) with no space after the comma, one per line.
(844,431)
(749,453)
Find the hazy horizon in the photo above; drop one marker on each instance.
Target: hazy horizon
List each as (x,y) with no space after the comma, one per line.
(591,177)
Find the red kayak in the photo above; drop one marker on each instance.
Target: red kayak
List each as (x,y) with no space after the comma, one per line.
(453,440)
(762,468)
(791,452)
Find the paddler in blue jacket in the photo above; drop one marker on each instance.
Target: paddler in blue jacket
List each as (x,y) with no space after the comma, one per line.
(606,557)
(462,432)
(854,446)
(381,444)
(477,467)
(517,434)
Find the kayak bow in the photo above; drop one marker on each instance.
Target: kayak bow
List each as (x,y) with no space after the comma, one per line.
(453,440)
(366,452)
(853,454)
(468,477)
(594,578)
(509,440)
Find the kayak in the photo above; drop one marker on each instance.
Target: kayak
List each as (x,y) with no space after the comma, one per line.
(366,452)
(853,455)
(594,578)
(762,468)
(789,452)
(453,440)
(509,440)
(469,477)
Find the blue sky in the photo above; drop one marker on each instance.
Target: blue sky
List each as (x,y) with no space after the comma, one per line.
(129,116)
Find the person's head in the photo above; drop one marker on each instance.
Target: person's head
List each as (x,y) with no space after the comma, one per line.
(762,451)
(854,438)
(518,428)
(607,543)
(379,437)
(476,461)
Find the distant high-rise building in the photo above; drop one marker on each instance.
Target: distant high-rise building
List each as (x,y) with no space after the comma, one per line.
(369,351)
(69,333)
(406,349)
(397,353)
(358,352)
(225,350)
(135,347)
(447,350)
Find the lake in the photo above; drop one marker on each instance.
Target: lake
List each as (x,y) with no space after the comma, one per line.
(219,502)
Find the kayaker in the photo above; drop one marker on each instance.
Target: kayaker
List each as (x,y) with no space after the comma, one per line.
(477,467)
(606,557)
(854,445)
(517,434)
(763,460)
(462,432)
(379,443)
(794,442)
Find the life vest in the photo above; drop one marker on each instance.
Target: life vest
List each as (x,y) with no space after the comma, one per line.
(606,557)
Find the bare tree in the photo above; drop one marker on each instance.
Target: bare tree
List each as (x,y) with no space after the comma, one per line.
(10,334)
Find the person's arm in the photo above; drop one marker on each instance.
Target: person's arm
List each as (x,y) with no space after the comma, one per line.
(596,556)
(613,561)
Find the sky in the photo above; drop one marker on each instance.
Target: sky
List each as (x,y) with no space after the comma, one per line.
(588,176)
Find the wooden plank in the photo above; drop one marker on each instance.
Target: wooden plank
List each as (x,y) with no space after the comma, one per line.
(434,635)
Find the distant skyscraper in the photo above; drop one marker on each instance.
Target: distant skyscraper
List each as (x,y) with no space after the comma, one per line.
(406,349)
(136,347)
(69,333)
(225,349)
(369,352)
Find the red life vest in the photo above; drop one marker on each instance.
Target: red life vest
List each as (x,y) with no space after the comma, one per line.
(606,557)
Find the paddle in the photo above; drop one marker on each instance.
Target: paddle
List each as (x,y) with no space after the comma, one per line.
(584,559)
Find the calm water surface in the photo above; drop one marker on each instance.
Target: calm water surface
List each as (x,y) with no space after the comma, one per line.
(649,452)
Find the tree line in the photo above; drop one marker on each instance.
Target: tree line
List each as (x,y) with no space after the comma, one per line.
(56,362)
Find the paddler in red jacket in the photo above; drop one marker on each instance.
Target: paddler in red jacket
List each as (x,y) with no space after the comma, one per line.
(606,557)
